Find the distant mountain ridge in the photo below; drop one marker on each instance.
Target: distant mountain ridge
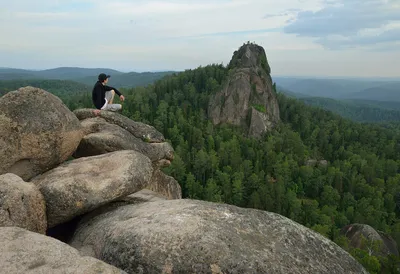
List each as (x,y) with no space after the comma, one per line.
(378,90)
(61,73)
(378,93)
(355,109)
(360,112)
(86,76)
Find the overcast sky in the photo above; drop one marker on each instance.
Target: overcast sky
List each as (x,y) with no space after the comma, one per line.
(300,37)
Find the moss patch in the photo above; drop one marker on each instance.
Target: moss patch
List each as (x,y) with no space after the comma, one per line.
(260,108)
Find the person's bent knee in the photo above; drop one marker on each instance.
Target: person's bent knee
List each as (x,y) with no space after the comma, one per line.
(114,107)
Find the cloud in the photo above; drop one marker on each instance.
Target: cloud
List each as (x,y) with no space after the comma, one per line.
(165,7)
(349,23)
(231,33)
(370,41)
(288,12)
(178,34)
(133,22)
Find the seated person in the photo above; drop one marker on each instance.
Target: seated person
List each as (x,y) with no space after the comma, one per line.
(103,95)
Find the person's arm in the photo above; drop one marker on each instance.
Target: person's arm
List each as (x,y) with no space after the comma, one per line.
(108,88)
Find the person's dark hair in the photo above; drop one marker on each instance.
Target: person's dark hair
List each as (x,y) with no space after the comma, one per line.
(102,77)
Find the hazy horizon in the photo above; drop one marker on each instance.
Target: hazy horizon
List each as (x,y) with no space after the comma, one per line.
(365,78)
(320,38)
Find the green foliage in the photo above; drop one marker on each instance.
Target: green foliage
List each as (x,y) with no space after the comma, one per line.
(74,95)
(371,263)
(370,256)
(131,79)
(264,64)
(235,98)
(220,164)
(260,108)
(353,89)
(357,111)
(253,88)
(57,87)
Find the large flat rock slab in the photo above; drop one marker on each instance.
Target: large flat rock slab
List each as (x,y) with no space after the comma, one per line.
(81,185)
(189,236)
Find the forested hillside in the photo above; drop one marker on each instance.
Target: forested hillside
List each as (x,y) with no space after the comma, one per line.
(69,91)
(361,89)
(131,79)
(360,183)
(382,93)
(361,111)
(58,87)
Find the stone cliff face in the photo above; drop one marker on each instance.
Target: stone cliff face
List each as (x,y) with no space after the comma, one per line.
(247,98)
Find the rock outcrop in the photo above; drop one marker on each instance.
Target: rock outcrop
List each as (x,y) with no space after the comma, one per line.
(139,130)
(165,185)
(38,132)
(84,184)
(23,251)
(21,204)
(247,98)
(102,137)
(314,163)
(188,236)
(142,196)
(110,132)
(386,244)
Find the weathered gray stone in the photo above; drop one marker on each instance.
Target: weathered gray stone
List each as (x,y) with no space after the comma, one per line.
(102,137)
(84,184)
(165,185)
(247,98)
(22,251)
(314,162)
(353,232)
(38,132)
(139,130)
(188,236)
(21,204)
(142,196)
(259,123)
